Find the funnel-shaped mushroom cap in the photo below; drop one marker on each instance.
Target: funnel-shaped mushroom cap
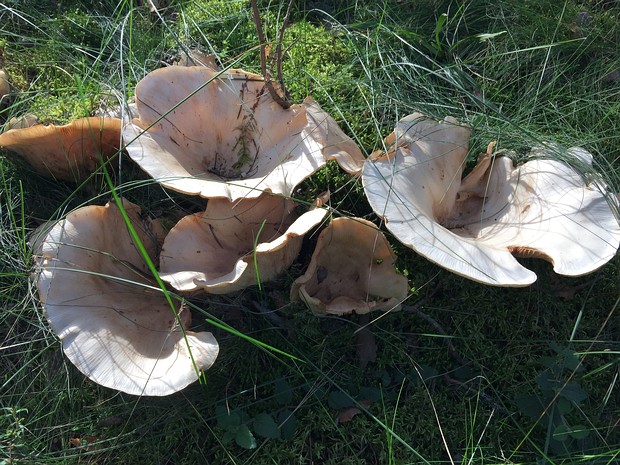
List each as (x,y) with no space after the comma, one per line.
(351,270)
(222,135)
(233,245)
(68,153)
(472,226)
(115,324)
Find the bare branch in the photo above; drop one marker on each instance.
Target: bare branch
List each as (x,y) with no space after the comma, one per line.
(281,100)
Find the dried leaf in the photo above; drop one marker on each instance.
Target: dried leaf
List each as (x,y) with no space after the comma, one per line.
(86,442)
(345,415)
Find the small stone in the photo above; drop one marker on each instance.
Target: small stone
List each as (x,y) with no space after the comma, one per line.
(612,76)
(583,19)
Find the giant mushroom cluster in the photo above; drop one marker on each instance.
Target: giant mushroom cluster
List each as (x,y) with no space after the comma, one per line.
(220,135)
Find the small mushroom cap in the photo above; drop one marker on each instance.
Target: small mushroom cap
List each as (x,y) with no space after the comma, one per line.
(115,325)
(473,226)
(194,57)
(68,153)
(351,270)
(21,122)
(5,87)
(233,245)
(228,138)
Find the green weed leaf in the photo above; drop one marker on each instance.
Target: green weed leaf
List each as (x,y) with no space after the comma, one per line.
(371,394)
(265,426)
(441,21)
(564,406)
(561,433)
(283,393)
(226,419)
(530,405)
(546,381)
(244,438)
(573,392)
(229,436)
(565,358)
(579,432)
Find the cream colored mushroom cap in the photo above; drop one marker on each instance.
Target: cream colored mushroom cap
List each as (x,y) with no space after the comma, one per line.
(472,226)
(228,138)
(552,213)
(234,245)
(116,327)
(351,270)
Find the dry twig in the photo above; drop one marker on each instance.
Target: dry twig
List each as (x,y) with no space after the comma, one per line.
(283,99)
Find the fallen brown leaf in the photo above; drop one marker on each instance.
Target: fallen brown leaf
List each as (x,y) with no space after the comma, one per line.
(346,415)
(86,442)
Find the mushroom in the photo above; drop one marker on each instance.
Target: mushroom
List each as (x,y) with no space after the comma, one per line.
(194,57)
(115,324)
(473,226)
(5,87)
(351,270)
(220,134)
(21,122)
(68,153)
(233,245)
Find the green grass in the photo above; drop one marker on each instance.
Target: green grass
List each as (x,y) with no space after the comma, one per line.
(519,72)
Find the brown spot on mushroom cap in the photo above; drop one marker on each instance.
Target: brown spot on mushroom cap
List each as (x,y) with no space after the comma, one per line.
(68,153)
(529,252)
(351,270)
